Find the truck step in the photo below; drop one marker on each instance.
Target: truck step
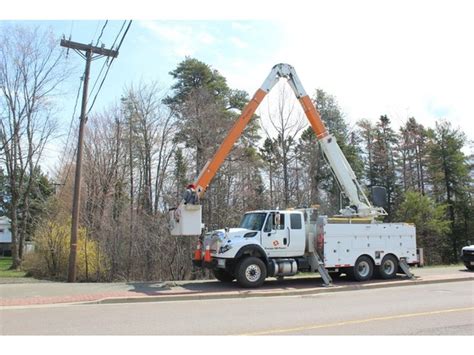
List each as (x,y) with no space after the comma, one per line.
(405,268)
(327,280)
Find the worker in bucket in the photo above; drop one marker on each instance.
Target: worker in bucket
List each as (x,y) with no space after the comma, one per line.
(190,195)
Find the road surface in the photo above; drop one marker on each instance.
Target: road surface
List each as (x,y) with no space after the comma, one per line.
(431,309)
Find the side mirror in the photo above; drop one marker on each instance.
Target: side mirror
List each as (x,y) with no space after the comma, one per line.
(276,221)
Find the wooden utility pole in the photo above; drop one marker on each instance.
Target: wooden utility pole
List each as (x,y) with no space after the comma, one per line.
(89,51)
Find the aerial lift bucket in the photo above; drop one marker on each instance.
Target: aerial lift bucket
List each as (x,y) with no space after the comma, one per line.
(186,220)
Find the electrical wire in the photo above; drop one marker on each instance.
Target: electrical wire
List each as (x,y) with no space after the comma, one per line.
(65,151)
(110,64)
(67,173)
(101,32)
(100,73)
(106,62)
(118,34)
(97,27)
(123,37)
(95,97)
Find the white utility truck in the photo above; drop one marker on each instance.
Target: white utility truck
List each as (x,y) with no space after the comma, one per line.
(278,243)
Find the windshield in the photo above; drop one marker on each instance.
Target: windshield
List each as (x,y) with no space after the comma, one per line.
(253,221)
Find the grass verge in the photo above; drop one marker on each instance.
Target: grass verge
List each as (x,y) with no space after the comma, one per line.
(5,263)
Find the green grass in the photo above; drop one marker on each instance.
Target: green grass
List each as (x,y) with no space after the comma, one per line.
(5,263)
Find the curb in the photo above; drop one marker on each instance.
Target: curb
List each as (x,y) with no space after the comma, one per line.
(251,294)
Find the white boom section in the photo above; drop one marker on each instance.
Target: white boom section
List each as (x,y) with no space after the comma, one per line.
(348,181)
(338,162)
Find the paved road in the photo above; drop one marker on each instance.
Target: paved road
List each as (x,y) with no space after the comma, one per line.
(432,309)
(29,293)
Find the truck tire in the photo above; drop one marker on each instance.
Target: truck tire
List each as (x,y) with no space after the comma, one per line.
(251,272)
(468,266)
(388,267)
(363,269)
(222,275)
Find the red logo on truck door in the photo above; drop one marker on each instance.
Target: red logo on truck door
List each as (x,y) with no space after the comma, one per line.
(275,243)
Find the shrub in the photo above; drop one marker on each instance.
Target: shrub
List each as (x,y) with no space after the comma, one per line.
(50,258)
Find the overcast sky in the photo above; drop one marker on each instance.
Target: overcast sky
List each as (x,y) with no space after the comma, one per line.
(400,58)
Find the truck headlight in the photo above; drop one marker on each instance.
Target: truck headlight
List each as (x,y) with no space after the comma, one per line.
(225,248)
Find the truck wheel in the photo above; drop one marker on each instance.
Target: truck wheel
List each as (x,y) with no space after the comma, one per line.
(388,267)
(469,266)
(251,272)
(363,269)
(222,275)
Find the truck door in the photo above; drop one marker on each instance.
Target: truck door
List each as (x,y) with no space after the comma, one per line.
(283,234)
(275,234)
(297,242)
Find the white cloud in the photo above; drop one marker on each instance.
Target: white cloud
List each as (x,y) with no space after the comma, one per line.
(183,39)
(238,43)
(397,58)
(239,26)
(401,60)
(206,38)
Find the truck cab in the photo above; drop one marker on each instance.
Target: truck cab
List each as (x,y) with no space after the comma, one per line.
(278,233)
(275,240)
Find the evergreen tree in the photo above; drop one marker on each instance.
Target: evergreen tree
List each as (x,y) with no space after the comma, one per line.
(451,181)
(367,133)
(333,118)
(313,167)
(206,109)
(384,157)
(412,151)
(179,172)
(432,227)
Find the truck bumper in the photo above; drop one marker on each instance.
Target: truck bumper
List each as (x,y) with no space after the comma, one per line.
(220,263)
(205,264)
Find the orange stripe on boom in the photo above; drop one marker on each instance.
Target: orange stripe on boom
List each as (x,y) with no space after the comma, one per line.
(213,165)
(314,117)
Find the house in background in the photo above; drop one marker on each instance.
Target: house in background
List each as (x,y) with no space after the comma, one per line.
(5,237)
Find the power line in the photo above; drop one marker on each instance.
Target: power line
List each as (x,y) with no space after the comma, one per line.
(100,73)
(71,123)
(101,32)
(123,37)
(106,62)
(118,34)
(67,172)
(110,64)
(95,32)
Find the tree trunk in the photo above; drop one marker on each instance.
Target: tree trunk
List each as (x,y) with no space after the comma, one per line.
(14,230)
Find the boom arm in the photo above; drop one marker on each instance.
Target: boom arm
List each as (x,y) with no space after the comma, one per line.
(181,216)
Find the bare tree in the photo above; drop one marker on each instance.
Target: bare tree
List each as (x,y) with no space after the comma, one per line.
(31,68)
(153,129)
(288,122)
